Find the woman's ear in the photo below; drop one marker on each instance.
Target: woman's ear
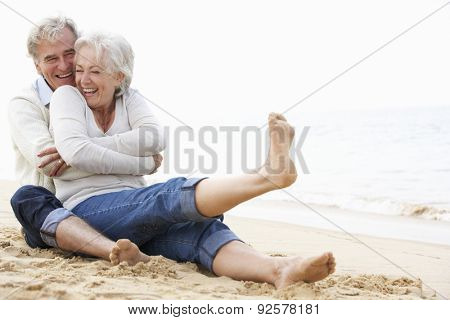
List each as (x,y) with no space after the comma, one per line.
(119,76)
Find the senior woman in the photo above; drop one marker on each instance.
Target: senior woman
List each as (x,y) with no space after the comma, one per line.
(181,218)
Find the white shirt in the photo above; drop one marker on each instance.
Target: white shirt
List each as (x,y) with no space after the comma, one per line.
(43,90)
(117,158)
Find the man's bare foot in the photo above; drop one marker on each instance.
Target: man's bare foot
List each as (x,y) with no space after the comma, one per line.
(127,251)
(279,168)
(292,270)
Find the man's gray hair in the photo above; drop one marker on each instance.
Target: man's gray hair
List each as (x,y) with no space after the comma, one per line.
(114,53)
(48,29)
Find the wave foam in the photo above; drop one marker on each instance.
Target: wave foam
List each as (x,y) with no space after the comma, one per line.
(374,205)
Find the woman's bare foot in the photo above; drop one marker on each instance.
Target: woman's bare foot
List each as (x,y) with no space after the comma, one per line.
(127,251)
(292,270)
(279,168)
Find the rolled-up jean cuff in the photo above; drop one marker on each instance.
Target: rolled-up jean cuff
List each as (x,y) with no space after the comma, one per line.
(213,244)
(48,229)
(188,207)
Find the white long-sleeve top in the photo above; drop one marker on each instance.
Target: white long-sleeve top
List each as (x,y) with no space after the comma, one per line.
(119,161)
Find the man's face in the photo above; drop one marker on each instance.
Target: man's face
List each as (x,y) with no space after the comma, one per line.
(55,59)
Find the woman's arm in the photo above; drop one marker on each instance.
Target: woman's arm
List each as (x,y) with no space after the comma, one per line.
(30,133)
(68,119)
(146,137)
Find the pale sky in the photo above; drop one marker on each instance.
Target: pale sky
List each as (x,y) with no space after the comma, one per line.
(232,62)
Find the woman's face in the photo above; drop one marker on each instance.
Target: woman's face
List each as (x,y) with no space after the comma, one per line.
(93,81)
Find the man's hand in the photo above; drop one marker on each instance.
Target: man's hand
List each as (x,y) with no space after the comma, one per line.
(157,158)
(52,157)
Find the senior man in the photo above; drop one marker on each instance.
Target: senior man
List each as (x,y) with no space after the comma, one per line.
(48,224)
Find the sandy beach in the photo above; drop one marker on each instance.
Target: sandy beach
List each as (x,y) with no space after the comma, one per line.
(372,268)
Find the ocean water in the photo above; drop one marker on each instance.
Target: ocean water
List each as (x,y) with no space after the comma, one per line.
(393,161)
(390,161)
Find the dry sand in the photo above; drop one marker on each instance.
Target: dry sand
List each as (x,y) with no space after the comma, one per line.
(27,273)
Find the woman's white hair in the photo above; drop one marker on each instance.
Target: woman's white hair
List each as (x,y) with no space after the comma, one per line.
(48,29)
(113,53)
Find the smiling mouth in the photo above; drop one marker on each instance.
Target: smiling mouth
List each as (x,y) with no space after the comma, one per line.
(89,91)
(64,76)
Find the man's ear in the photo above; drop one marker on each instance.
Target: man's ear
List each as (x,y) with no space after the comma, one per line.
(38,68)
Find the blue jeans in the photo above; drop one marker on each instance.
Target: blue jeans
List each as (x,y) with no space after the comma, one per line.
(39,212)
(161,219)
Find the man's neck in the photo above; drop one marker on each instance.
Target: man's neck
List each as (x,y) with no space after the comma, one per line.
(48,84)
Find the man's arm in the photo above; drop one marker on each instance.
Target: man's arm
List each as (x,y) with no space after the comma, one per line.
(30,133)
(146,137)
(67,114)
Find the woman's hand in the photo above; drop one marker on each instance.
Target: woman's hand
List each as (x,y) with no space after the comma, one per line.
(52,157)
(157,158)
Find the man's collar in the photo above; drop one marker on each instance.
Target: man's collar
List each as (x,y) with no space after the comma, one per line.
(44,90)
